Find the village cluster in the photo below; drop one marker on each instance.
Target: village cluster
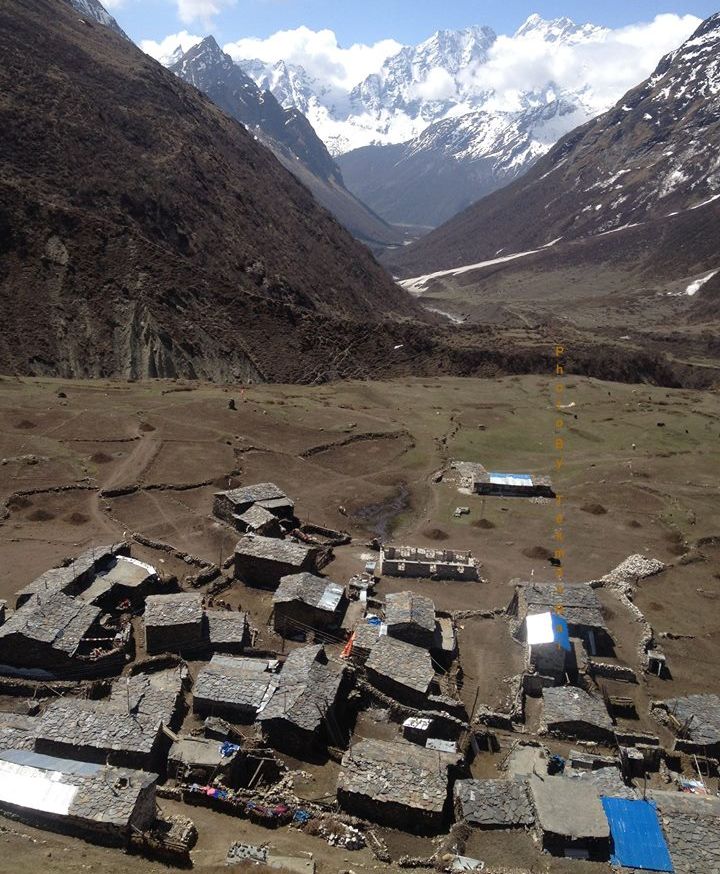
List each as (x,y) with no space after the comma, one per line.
(129,686)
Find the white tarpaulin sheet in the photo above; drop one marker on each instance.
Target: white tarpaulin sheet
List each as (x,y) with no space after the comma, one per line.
(35,789)
(540,629)
(511,479)
(330,597)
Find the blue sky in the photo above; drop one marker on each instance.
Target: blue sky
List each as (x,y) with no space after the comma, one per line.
(407,21)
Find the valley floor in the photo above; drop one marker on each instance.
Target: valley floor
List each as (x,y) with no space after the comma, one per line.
(86,463)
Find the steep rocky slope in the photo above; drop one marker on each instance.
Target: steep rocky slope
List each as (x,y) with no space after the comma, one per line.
(93,10)
(143,232)
(285,131)
(653,156)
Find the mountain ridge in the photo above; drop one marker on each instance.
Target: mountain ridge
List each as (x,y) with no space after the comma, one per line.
(146,233)
(285,131)
(602,176)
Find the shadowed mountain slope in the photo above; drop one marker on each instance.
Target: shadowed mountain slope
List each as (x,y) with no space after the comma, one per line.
(144,233)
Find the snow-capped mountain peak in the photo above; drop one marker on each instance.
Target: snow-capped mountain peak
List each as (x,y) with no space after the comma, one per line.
(557,30)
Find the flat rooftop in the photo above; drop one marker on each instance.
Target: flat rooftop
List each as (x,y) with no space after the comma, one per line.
(568,808)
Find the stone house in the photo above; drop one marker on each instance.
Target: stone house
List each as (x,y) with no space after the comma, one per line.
(569,711)
(436,564)
(304,602)
(302,714)
(201,759)
(577,603)
(74,576)
(227,631)
(97,802)
(235,687)
(248,507)
(264,561)
(411,618)
(174,623)
(695,720)
(570,817)
(511,485)
(48,632)
(401,670)
(124,729)
(179,623)
(397,784)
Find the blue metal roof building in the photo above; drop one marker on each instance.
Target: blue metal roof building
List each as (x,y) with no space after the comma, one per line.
(638,841)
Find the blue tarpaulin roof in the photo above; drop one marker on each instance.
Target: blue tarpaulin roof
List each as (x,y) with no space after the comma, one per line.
(638,841)
(561,632)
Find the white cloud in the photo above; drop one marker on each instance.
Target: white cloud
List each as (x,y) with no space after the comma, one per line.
(438,84)
(319,53)
(610,62)
(162,50)
(200,10)
(111,5)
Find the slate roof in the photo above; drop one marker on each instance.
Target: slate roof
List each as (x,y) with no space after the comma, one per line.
(152,696)
(97,725)
(581,606)
(494,803)
(225,626)
(55,619)
(273,549)
(309,589)
(107,724)
(605,781)
(703,711)
(692,827)
(256,517)
(402,662)
(184,608)
(398,773)
(306,689)
(254,493)
(60,578)
(568,808)
(17,732)
(563,704)
(408,608)
(102,794)
(235,681)
(366,636)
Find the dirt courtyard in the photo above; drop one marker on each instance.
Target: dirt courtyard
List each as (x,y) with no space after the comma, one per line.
(86,463)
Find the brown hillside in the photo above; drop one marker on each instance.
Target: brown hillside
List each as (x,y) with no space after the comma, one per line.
(143,232)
